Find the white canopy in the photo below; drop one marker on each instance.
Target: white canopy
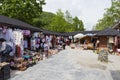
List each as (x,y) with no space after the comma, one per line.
(80,35)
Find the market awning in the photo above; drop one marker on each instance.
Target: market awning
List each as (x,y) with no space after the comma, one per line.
(80,35)
(108,32)
(17,23)
(90,34)
(77,32)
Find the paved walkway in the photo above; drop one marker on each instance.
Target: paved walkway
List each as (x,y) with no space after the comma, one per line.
(73,64)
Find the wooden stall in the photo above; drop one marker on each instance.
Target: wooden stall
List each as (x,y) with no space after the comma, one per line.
(107,39)
(103,41)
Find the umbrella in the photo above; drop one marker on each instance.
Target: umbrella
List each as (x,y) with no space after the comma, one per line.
(90,34)
(80,35)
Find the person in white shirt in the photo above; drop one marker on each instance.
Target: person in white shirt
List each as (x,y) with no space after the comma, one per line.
(46,48)
(97,43)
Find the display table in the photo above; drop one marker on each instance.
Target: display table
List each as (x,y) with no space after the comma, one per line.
(4,71)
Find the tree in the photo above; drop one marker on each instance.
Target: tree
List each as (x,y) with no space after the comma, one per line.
(65,23)
(78,24)
(111,15)
(59,24)
(24,10)
(68,17)
(44,20)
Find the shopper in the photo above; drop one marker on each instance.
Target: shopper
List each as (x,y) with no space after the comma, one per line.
(5,49)
(46,48)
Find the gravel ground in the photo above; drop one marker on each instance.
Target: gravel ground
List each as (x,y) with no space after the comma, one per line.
(73,64)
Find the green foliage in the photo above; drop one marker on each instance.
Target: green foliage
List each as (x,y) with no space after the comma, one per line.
(58,24)
(111,15)
(23,10)
(30,11)
(65,23)
(43,20)
(78,24)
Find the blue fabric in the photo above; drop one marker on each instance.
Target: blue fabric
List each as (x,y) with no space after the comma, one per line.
(7,50)
(26,56)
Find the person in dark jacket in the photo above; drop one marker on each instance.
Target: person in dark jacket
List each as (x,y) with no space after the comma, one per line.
(5,49)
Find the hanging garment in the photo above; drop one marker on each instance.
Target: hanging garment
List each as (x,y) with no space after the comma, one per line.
(1,33)
(4,29)
(18,53)
(111,39)
(26,32)
(32,43)
(2,46)
(37,41)
(35,34)
(8,35)
(46,47)
(116,41)
(13,47)
(21,50)
(25,44)
(18,37)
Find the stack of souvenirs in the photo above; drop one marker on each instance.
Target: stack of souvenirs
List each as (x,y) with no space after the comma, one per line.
(28,60)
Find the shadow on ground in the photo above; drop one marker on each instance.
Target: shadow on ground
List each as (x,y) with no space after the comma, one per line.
(115,74)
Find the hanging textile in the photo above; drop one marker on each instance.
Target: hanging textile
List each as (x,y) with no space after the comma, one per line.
(19,42)
(116,41)
(26,32)
(111,39)
(25,43)
(18,51)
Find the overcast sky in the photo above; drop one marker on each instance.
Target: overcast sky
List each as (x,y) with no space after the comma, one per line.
(89,11)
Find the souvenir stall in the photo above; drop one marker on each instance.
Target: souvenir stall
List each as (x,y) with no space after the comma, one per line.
(7,34)
(88,41)
(117,38)
(117,44)
(26,50)
(103,41)
(107,39)
(36,41)
(118,48)
(14,37)
(27,38)
(7,47)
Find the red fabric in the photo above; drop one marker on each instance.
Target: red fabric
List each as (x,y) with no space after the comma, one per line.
(18,51)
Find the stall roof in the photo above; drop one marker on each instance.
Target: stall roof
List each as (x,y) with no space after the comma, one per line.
(17,23)
(108,32)
(22,25)
(77,32)
(50,32)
